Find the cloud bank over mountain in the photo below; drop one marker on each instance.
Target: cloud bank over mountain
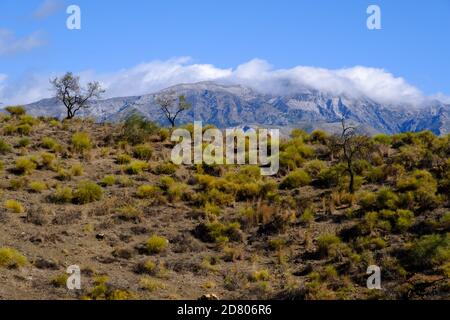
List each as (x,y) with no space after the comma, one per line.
(376,84)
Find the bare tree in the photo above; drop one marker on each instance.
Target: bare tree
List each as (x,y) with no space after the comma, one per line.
(353,146)
(72,95)
(172,106)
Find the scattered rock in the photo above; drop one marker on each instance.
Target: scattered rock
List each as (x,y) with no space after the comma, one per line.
(209,297)
(100,236)
(42,263)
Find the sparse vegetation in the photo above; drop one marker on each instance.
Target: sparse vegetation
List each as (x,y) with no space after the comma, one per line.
(143,152)
(14,206)
(11,258)
(81,142)
(87,191)
(156,244)
(25,166)
(299,234)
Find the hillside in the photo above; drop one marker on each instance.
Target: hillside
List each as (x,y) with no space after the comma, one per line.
(107,198)
(235,105)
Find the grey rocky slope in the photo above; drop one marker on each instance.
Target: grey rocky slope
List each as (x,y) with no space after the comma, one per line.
(236,105)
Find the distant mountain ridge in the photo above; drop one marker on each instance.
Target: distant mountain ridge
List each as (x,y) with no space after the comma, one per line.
(237,105)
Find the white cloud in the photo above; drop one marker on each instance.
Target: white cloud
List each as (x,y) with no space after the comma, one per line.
(48,8)
(376,84)
(148,77)
(10,44)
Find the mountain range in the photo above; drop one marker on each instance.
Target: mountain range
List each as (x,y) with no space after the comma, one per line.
(231,105)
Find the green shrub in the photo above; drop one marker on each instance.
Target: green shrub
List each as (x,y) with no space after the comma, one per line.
(307,216)
(87,191)
(204,181)
(370,243)
(156,244)
(331,177)
(5,118)
(4,147)
(129,213)
(417,180)
(344,182)
(261,275)
(218,232)
(125,181)
(431,250)
(314,167)
(248,191)
(16,111)
(383,139)
(296,179)
(60,281)
(326,241)
(37,186)
(319,136)
(14,206)
(376,174)
(176,191)
(136,167)
(104,291)
(76,170)
(108,181)
(17,184)
(62,194)
(28,120)
(149,284)
(399,220)
(23,142)
(166,182)
(361,165)
(386,199)
(143,152)
(123,159)
(54,123)
(50,144)
(11,258)
(404,220)
(165,168)
(147,191)
(216,197)
(211,210)
(47,159)
(24,129)
(136,129)
(277,244)
(81,142)
(9,130)
(25,166)
(164,134)
(64,175)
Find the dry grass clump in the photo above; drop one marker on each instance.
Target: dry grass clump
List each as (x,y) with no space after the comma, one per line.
(11,258)
(14,206)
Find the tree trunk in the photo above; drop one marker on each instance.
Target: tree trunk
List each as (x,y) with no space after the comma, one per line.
(69,114)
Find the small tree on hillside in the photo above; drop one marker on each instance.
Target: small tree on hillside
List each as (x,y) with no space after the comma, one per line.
(72,95)
(172,106)
(353,147)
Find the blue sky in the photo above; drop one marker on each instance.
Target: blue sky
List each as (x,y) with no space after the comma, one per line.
(120,35)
